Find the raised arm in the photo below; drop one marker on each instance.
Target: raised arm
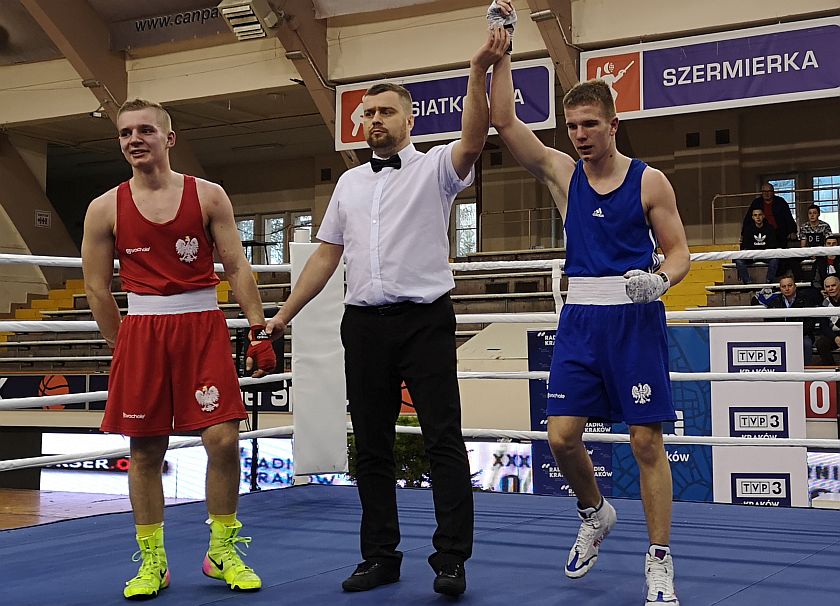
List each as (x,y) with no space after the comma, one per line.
(98,265)
(549,166)
(316,273)
(661,204)
(475,120)
(222,226)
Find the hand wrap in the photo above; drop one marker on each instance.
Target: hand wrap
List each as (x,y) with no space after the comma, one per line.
(261,350)
(496,18)
(644,287)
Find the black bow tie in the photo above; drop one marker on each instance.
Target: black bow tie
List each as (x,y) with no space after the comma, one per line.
(394,162)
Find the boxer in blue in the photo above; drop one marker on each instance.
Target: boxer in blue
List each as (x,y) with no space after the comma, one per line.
(611,355)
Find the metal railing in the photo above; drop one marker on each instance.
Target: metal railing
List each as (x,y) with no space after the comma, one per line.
(539,227)
(804,198)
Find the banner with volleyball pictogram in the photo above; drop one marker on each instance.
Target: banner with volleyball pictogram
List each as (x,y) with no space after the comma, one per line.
(438,103)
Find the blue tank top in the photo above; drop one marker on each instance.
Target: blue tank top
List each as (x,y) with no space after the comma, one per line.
(608,234)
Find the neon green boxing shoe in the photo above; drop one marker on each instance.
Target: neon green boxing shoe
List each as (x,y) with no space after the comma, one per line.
(153,575)
(223,561)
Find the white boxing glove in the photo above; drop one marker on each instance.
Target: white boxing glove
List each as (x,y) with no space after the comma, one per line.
(496,18)
(645,287)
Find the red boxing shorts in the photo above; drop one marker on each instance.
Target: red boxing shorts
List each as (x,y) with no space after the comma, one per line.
(172,373)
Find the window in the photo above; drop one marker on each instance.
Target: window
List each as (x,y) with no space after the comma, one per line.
(784,188)
(302,221)
(466,229)
(827,192)
(275,239)
(246,233)
(826,196)
(266,237)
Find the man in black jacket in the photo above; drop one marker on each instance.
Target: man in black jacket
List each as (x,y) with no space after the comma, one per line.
(792,297)
(826,266)
(758,235)
(829,338)
(776,213)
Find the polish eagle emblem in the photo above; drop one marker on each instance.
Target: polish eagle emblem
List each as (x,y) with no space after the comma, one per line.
(187,249)
(208,398)
(641,393)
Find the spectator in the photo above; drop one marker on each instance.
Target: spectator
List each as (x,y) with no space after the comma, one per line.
(829,338)
(792,297)
(776,213)
(814,231)
(759,235)
(826,266)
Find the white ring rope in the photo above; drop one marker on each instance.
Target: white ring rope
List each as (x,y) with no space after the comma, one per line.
(45,261)
(773,253)
(75,325)
(696,315)
(122,452)
(492,265)
(624,438)
(770,253)
(612,438)
(792,377)
(797,377)
(757,311)
(98,396)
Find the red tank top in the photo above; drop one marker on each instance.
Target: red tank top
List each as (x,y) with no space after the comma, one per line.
(163,258)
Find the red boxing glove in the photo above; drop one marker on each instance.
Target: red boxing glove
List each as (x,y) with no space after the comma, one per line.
(260,351)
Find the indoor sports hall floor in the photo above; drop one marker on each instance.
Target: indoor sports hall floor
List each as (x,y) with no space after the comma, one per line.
(306,543)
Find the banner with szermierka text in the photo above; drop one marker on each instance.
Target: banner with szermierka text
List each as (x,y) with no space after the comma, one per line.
(762,65)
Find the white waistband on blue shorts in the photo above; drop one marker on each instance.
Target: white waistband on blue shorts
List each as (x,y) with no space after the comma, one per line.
(607,290)
(203,299)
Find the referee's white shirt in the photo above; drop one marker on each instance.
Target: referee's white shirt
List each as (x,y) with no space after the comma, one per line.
(393,225)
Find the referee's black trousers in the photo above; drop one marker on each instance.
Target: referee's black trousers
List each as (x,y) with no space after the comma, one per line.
(384,346)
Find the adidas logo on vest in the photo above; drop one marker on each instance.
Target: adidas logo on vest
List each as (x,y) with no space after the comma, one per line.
(598,213)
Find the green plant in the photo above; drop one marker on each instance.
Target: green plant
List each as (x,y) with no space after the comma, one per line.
(412,464)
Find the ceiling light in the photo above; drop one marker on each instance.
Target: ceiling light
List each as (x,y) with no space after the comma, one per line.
(543,15)
(257,146)
(248,19)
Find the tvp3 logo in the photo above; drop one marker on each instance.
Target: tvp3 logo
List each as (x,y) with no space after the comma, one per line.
(757,356)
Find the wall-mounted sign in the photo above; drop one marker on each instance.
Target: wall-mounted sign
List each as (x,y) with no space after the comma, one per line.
(773,64)
(43,218)
(438,102)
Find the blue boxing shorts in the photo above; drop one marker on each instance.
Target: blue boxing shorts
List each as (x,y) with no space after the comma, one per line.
(610,363)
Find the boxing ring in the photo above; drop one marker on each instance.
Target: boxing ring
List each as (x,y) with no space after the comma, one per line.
(306,537)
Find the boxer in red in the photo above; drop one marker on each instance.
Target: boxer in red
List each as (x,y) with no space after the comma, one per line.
(172,369)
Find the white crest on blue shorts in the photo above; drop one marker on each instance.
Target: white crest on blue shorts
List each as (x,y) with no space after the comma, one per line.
(641,393)
(208,398)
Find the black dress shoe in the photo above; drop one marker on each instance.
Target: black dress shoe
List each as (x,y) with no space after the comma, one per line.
(451,579)
(369,575)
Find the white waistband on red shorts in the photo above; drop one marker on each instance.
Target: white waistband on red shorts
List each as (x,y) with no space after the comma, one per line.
(607,290)
(203,299)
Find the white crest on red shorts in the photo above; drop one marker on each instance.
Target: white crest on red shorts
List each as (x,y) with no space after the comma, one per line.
(208,398)
(187,249)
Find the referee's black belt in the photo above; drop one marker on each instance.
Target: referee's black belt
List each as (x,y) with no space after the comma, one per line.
(391,309)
